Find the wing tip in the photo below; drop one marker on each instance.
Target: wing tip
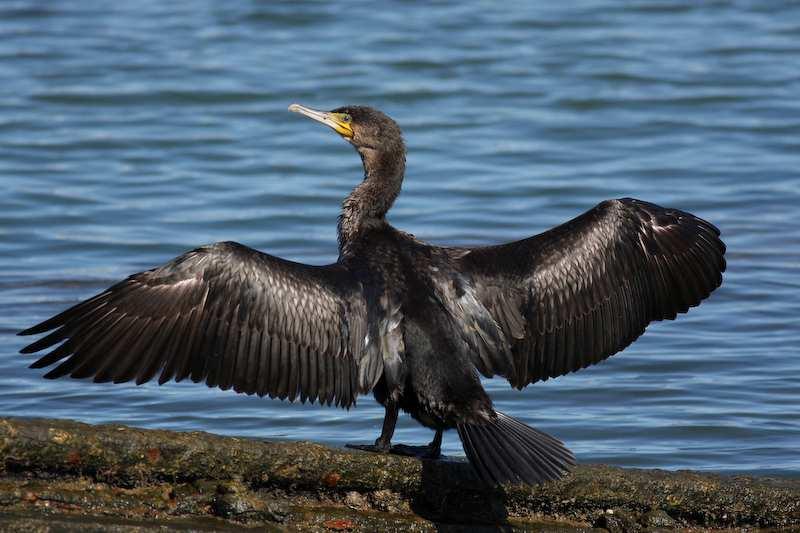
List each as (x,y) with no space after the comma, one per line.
(55,373)
(27,350)
(35,330)
(41,344)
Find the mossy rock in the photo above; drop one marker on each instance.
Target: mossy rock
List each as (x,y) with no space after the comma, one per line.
(82,476)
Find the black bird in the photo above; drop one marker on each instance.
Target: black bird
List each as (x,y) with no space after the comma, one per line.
(414,323)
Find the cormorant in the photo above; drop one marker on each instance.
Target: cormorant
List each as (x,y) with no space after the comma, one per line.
(414,323)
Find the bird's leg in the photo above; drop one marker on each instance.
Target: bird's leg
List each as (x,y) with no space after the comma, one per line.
(383,444)
(435,447)
(431,451)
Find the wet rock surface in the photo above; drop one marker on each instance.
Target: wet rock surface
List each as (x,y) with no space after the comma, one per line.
(68,476)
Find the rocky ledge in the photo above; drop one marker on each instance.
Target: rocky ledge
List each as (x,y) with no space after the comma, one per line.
(64,475)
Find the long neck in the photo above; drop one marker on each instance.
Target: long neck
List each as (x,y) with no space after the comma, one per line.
(366,206)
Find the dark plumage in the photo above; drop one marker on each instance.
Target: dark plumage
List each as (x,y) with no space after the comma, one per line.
(413,323)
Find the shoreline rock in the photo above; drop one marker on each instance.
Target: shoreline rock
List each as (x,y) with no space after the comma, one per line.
(66,475)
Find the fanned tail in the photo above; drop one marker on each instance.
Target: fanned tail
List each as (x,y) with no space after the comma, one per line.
(508,451)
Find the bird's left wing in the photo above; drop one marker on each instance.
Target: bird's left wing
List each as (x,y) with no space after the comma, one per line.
(576,294)
(227,315)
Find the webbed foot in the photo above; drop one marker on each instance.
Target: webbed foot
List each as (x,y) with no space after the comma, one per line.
(379,447)
(421,452)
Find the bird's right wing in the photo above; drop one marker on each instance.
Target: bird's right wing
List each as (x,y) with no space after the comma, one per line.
(227,315)
(576,294)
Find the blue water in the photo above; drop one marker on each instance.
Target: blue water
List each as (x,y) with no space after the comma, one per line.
(133,131)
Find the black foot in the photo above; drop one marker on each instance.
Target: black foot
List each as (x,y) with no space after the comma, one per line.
(422,452)
(374,448)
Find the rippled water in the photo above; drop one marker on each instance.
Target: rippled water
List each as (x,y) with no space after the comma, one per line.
(131,132)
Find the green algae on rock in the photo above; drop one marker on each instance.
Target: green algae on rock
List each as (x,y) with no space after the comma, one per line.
(84,476)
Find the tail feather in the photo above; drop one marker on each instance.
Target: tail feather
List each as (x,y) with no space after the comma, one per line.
(508,451)
(551,452)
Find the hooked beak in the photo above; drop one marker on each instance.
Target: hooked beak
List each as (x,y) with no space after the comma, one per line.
(332,120)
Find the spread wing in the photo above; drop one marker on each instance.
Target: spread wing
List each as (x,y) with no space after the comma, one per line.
(579,293)
(227,315)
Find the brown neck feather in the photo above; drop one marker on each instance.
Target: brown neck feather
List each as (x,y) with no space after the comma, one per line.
(366,206)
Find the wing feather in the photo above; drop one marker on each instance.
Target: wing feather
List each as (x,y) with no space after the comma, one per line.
(588,288)
(227,315)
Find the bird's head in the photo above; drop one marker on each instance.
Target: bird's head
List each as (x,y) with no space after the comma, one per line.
(378,140)
(367,129)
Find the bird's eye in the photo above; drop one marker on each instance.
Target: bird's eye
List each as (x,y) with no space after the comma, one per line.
(347,119)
